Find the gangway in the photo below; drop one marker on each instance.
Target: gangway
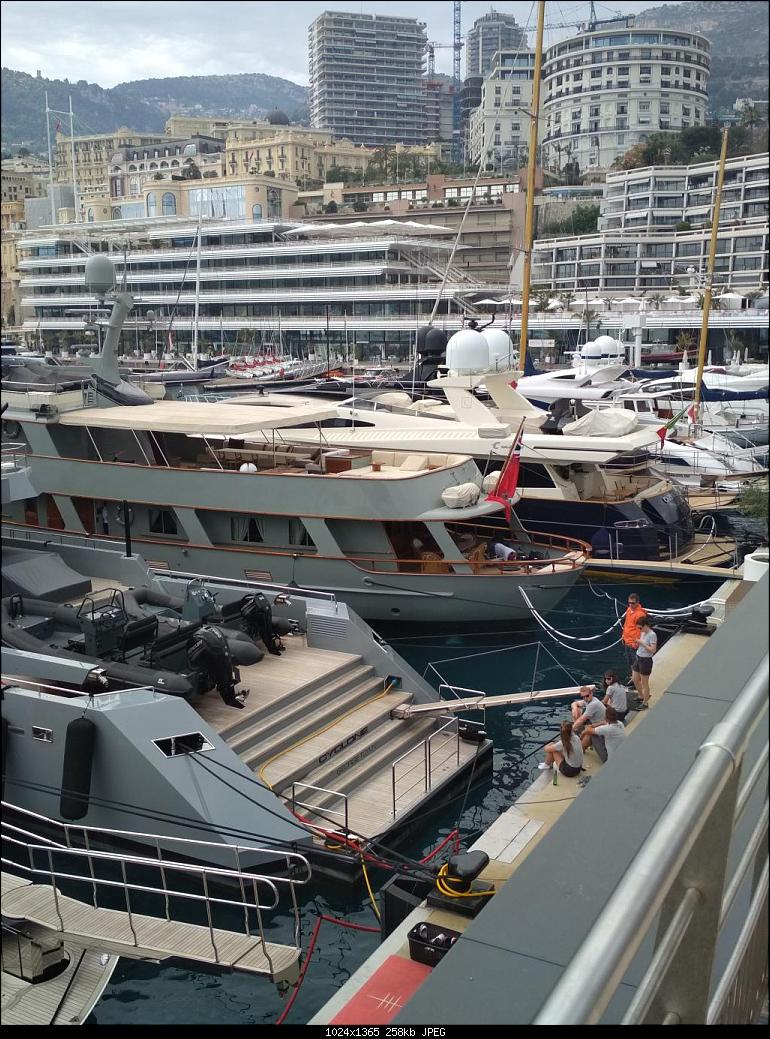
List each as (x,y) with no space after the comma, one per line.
(36,897)
(480,701)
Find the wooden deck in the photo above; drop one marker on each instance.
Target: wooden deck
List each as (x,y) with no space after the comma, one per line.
(148,937)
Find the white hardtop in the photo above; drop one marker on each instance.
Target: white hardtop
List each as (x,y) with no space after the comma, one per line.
(187,417)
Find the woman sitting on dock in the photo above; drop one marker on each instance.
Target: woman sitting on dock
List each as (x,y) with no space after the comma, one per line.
(567,752)
(615,695)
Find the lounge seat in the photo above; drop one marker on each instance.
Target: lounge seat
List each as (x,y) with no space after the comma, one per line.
(414,464)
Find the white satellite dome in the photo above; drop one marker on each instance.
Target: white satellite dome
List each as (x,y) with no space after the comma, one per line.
(467,351)
(607,344)
(500,346)
(592,349)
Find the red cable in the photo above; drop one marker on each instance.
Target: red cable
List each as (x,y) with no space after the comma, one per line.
(310,948)
(446,840)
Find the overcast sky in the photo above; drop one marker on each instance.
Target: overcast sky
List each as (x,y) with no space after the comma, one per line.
(109,41)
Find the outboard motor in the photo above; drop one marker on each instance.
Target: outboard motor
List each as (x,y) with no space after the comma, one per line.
(561,412)
(209,652)
(258,621)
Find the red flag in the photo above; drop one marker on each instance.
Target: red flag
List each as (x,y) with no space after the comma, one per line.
(662,433)
(513,384)
(692,411)
(509,476)
(57,127)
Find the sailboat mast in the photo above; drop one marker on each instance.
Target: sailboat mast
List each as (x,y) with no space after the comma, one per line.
(704,327)
(531,165)
(197,299)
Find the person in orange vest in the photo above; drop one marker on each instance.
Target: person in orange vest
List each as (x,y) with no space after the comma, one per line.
(634,611)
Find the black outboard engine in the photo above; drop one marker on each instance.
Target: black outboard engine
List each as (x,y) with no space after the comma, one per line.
(209,652)
(258,621)
(561,412)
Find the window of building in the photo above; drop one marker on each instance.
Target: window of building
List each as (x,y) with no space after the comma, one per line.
(256,211)
(168,204)
(152,204)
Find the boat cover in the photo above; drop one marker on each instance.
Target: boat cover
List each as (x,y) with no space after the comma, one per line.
(461,496)
(612,422)
(41,575)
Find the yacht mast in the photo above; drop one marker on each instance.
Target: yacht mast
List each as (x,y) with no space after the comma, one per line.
(704,327)
(531,166)
(196,313)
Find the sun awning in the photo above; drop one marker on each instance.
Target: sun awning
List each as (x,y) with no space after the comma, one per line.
(370,227)
(197,418)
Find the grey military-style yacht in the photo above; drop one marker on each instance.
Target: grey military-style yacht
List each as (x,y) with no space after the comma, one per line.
(396,534)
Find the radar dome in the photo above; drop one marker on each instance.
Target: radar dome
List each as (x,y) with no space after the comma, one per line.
(278,117)
(607,344)
(467,351)
(500,346)
(435,341)
(100,274)
(592,349)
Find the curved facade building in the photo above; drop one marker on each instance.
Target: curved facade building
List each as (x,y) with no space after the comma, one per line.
(609,88)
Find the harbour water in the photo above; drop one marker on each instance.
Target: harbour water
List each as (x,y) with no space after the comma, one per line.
(493,661)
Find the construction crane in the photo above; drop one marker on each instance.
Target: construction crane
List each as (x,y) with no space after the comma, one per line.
(430,50)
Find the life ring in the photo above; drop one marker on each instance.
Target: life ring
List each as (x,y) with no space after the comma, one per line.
(12,429)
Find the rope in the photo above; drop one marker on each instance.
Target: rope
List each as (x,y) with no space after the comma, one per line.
(564,645)
(654,613)
(443,887)
(372,899)
(577,638)
(446,840)
(310,949)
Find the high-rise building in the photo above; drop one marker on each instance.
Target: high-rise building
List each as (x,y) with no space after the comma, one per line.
(366,77)
(491,33)
(499,128)
(610,87)
(439,109)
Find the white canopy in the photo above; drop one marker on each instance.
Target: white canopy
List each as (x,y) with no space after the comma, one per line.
(371,227)
(730,295)
(554,304)
(598,302)
(491,302)
(167,416)
(630,299)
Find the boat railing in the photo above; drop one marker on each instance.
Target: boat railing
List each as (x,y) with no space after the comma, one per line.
(342,813)
(14,457)
(426,761)
(311,593)
(34,685)
(252,885)
(691,884)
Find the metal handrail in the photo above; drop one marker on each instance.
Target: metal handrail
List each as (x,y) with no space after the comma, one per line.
(292,858)
(597,968)
(316,808)
(426,761)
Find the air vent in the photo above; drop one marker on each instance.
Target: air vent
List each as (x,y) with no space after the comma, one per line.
(257,575)
(158,564)
(331,627)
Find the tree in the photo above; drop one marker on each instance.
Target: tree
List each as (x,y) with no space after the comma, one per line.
(22,152)
(360,207)
(338,173)
(753,502)
(685,341)
(683,225)
(330,207)
(584,220)
(656,299)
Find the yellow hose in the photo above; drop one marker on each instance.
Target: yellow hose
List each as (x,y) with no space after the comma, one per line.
(450,893)
(375,907)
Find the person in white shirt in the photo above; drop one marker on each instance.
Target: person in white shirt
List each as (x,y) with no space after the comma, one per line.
(504,552)
(646,648)
(615,695)
(612,732)
(566,753)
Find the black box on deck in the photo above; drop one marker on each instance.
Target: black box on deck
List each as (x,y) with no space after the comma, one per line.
(428,943)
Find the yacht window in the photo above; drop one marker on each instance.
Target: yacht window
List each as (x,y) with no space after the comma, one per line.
(629,405)
(246,528)
(298,534)
(162,521)
(534,476)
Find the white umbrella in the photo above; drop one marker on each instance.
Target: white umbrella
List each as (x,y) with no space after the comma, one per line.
(598,302)
(491,302)
(579,303)
(555,304)
(731,300)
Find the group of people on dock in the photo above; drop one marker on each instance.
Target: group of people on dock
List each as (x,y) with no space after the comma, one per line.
(599,721)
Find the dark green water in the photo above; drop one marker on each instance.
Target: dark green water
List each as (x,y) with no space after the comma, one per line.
(495,662)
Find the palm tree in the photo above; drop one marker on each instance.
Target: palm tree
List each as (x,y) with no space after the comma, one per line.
(685,340)
(566,297)
(540,295)
(591,317)
(656,299)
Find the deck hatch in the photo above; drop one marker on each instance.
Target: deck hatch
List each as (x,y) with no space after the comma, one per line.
(187,743)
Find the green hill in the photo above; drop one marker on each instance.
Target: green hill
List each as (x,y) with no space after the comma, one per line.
(738,31)
(143,105)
